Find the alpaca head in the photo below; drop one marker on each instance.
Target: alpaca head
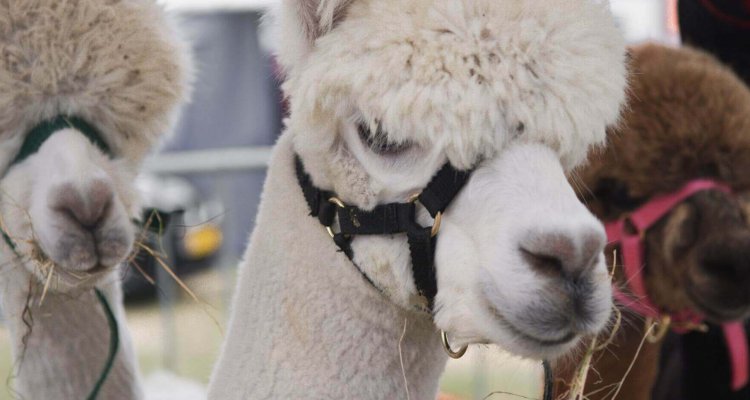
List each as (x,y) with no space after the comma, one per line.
(115,65)
(384,92)
(689,118)
(72,205)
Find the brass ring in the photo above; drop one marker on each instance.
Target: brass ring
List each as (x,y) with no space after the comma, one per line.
(447,347)
(436,225)
(337,202)
(413,198)
(662,327)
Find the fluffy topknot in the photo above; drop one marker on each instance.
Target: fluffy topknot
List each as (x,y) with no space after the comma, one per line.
(115,63)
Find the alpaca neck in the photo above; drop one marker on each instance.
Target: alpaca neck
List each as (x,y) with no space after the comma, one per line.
(305,323)
(60,347)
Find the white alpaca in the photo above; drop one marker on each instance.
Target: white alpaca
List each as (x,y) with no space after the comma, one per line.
(116,66)
(383,93)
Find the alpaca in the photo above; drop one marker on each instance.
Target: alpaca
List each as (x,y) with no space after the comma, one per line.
(87,88)
(718,28)
(389,98)
(687,124)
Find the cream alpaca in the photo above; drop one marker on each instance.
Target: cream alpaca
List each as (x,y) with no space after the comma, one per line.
(117,65)
(383,93)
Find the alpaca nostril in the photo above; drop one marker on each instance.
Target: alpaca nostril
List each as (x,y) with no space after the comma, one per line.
(728,264)
(543,263)
(87,209)
(563,255)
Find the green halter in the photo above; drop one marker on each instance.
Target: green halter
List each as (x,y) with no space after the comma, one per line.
(43,131)
(31,144)
(40,133)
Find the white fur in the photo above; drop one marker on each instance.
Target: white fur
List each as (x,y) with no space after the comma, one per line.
(517,90)
(118,65)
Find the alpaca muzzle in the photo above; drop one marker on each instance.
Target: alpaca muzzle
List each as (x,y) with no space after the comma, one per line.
(39,134)
(629,232)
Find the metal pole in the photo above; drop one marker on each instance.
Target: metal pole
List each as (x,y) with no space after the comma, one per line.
(167,291)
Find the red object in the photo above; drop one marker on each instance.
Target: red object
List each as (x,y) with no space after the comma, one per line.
(632,247)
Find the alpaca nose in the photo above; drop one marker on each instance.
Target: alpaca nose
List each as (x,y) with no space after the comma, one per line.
(564,255)
(728,260)
(87,207)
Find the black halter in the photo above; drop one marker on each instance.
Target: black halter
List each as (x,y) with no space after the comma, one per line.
(393,218)
(389,219)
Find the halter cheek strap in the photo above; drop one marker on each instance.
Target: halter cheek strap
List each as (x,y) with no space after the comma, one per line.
(632,245)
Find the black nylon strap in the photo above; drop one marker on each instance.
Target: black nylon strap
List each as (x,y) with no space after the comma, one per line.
(389,219)
(443,188)
(422,248)
(316,199)
(383,220)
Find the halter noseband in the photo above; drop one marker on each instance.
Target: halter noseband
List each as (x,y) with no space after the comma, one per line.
(629,232)
(40,133)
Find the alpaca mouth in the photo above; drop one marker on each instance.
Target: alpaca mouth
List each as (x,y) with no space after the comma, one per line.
(76,278)
(49,266)
(530,338)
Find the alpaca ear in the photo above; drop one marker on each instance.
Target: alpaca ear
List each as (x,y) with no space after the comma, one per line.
(301,22)
(317,17)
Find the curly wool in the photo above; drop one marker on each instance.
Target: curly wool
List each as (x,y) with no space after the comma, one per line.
(468,75)
(114,63)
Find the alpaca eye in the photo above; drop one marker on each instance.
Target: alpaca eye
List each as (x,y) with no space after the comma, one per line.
(379,143)
(616,193)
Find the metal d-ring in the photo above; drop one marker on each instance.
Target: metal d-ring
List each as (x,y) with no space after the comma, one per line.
(447,347)
(438,217)
(339,204)
(662,327)
(436,224)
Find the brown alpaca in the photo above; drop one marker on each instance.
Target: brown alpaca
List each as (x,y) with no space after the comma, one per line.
(689,118)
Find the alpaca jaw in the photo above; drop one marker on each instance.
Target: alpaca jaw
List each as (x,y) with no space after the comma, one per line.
(71,207)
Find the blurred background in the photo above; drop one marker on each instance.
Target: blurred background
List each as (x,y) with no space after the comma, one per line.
(207,180)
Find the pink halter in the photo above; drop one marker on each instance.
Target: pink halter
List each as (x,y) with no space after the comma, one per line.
(632,247)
